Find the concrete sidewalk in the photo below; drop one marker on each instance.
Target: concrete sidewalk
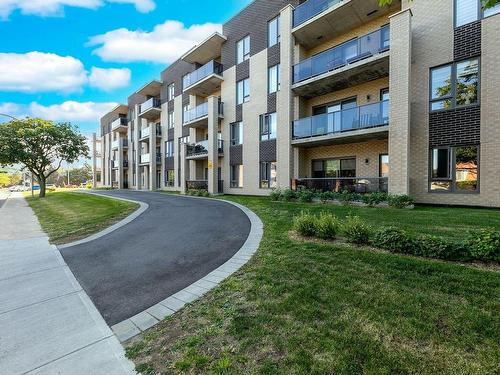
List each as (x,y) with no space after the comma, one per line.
(48,325)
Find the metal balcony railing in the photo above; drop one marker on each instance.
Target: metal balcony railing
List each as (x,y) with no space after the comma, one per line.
(347,53)
(363,117)
(351,184)
(212,67)
(201,148)
(307,10)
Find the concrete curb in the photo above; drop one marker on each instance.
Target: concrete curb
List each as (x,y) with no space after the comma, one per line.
(134,215)
(150,317)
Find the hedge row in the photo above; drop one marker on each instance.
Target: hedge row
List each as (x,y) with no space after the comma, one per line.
(480,245)
(346,197)
(198,193)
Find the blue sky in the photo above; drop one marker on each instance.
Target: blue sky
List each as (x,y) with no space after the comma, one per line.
(85,54)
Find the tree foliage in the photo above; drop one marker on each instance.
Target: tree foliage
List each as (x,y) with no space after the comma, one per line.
(486,3)
(40,146)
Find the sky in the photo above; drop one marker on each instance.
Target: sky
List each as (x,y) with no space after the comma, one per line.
(74,60)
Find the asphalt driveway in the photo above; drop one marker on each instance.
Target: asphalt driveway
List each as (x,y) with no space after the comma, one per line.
(174,243)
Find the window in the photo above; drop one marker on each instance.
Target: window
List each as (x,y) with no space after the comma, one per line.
(243,91)
(185,109)
(467,11)
(268,126)
(454,85)
(171,92)
(243,50)
(454,169)
(169,177)
(169,149)
(236,133)
(268,175)
(273,79)
(383,165)
(171,120)
(273,32)
(334,168)
(237,176)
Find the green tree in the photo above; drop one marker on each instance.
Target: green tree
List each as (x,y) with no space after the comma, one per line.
(40,146)
(4,179)
(486,3)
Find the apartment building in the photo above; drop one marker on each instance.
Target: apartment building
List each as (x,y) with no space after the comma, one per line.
(330,95)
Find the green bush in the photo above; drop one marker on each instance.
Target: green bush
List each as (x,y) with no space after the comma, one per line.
(305,195)
(484,244)
(346,197)
(400,201)
(288,195)
(275,194)
(305,224)
(356,231)
(198,193)
(326,226)
(88,185)
(395,240)
(435,247)
(372,199)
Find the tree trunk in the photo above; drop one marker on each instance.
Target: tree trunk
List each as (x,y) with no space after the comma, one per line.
(42,183)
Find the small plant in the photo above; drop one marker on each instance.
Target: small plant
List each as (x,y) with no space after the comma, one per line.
(484,244)
(288,195)
(435,247)
(395,240)
(305,195)
(400,201)
(372,199)
(356,231)
(326,226)
(275,194)
(305,224)
(346,197)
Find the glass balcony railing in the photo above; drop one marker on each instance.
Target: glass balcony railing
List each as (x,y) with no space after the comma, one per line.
(212,67)
(145,158)
(366,116)
(201,148)
(148,104)
(121,121)
(145,132)
(344,54)
(200,112)
(311,8)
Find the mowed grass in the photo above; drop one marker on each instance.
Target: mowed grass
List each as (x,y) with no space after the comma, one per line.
(69,216)
(311,308)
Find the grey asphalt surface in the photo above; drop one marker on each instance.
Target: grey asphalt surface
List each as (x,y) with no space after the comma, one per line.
(174,243)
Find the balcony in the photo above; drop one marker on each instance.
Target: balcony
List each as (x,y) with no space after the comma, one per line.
(200,150)
(358,123)
(115,144)
(352,63)
(205,80)
(198,117)
(145,159)
(316,21)
(354,185)
(150,109)
(120,125)
(145,133)
(209,49)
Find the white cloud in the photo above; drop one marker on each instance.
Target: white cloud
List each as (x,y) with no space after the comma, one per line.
(109,79)
(45,8)
(71,111)
(37,71)
(34,72)
(164,44)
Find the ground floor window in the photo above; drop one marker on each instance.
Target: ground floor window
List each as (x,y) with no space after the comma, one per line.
(334,168)
(268,175)
(383,165)
(455,169)
(237,176)
(169,177)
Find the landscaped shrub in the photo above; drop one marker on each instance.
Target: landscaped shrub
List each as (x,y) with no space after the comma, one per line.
(356,231)
(484,244)
(326,226)
(275,194)
(305,224)
(372,199)
(346,197)
(198,193)
(435,247)
(305,195)
(400,201)
(288,195)
(395,240)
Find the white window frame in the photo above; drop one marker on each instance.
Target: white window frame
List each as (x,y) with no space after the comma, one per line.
(243,91)
(243,50)
(171,91)
(273,79)
(273,25)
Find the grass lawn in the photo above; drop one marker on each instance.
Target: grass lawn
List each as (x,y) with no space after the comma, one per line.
(67,216)
(309,308)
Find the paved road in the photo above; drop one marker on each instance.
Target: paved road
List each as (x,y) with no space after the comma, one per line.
(3,197)
(174,243)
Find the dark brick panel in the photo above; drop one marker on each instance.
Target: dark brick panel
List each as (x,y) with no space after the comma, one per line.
(250,21)
(185,99)
(170,134)
(185,131)
(135,99)
(455,127)
(467,41)
(267,150)
(174,74)
(169,163)
(170,106)
(239,113)
(236,155)
(271,103)
(274,55)
(243,70)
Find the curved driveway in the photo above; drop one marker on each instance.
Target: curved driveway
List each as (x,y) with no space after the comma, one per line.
(174,243)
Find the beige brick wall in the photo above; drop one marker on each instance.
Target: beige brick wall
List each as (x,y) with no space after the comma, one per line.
(363,150)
